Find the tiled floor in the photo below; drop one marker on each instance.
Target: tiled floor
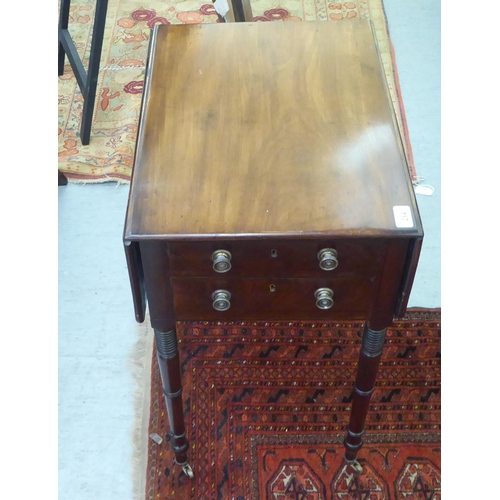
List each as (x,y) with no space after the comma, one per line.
(97,331)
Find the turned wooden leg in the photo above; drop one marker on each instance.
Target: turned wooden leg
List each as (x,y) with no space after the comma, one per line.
(369,359)
(168,361)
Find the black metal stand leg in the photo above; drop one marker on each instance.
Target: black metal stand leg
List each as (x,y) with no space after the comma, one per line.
(93,70)
(63,25)
(62,179)
(60,60)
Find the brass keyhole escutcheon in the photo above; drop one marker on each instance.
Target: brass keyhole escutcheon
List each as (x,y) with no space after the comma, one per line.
(274,253)
(272,288)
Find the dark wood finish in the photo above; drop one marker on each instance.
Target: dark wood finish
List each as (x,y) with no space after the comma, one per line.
(369,360)
(155,270)
(170,372)
(357,257)
(311,117)
(384,308)
(86,79)
(290,148)
(414,248)
(252,298)
(156,282)
(136,275)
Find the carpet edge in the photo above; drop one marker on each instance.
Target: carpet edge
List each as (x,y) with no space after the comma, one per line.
(141,361)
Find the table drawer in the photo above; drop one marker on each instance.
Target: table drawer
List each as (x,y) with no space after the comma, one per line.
(360,258)
(273,299)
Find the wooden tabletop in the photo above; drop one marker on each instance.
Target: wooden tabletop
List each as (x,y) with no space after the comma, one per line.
(280,128)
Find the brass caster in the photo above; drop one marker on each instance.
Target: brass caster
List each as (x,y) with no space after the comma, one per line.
(186,468)
(356,466)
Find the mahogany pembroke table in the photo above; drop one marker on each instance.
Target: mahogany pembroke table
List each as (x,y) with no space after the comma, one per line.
(269,183)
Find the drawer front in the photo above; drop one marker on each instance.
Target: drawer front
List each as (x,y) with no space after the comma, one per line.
(357,258)
(271,299)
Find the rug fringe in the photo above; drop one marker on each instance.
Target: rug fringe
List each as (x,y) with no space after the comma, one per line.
(140,360)
(100,180)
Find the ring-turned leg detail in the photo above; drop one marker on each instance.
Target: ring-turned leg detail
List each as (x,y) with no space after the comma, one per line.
(369,359)
(168,362)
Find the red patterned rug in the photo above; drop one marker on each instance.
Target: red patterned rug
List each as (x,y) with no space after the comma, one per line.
(267,404)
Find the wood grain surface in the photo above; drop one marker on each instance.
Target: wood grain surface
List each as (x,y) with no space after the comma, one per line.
(279,258)
(252,299)
(267,129)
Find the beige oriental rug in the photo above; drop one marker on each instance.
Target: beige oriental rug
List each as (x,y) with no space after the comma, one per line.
(109,156)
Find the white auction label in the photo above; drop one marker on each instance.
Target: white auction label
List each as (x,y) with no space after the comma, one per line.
(221,7)
(402,216)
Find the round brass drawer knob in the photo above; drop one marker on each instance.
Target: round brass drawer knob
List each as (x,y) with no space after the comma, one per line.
(324,298)
(221,261)
(328,259)
(221,300)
